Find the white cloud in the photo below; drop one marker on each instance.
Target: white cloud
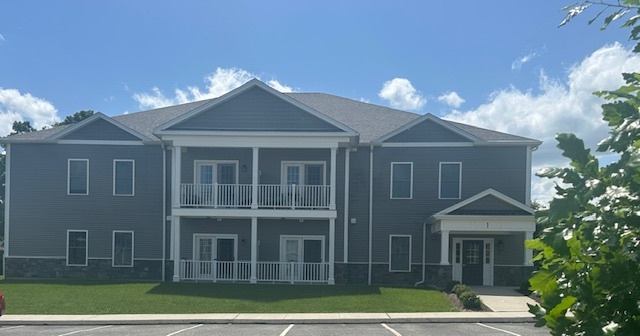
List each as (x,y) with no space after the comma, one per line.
(561,105)
(451,98)
(15,106)
(217,84)
(401,94)
(2,39)
(517,64)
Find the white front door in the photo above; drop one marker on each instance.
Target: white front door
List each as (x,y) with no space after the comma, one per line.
(303,256)
(472,260)
(215,256)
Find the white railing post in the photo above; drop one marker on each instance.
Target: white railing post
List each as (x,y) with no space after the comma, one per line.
(254,179)
(293,197)
(175,228)
(254,249)
(332,248)
(176,158)
(332,178)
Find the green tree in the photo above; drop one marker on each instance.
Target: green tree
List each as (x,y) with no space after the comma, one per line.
(75,118)
(589,247)
(20,127)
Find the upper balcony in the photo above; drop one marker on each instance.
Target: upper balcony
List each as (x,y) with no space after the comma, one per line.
(269,196)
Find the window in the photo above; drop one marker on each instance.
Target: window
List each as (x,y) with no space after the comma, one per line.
(399,253)
(78,177)
(450,179)
(401,179)
(303,173)
(77,248)
(210,172)
(122,248)
(123,177)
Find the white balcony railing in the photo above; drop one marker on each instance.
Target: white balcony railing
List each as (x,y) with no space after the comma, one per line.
(266,271)
(274,196)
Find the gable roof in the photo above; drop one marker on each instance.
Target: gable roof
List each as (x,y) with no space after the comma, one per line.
(429,117)
(489,192)
(95,117)
(298,112)
(369,121)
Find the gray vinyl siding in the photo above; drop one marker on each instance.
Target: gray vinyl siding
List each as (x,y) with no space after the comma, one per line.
(359,205)
(256,109)
(427,131)
(489,205)
(500,168)
(42,212)
(100,129)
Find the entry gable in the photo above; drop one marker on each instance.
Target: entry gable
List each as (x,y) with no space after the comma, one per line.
(99,127)
(488,203)
(428,128)
(254,107)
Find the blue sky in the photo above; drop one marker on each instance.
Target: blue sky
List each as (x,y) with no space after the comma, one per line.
(500,64)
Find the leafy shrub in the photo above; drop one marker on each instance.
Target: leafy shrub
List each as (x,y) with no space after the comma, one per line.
(524,287)
(459,288)
(448,287)
(470,300)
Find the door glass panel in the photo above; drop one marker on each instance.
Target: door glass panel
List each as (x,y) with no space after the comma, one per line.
(313,251)
(293,175)
(458,252)
(225,249)
(291,250)
(205,249)
(313,174)
(206,174)
(487,253)
(227,173)
(473,253)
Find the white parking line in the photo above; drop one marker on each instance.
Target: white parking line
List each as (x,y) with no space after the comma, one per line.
(84,330)
(185,329)
(7,328)
(391,329)
(284,332)
(498,329)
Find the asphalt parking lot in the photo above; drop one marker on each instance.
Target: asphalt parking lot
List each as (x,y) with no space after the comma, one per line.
(373,329)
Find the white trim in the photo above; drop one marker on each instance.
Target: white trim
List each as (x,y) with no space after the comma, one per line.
(391,236)
(69,177)
(487,268)
(302,165)
(426,144)
(248,213)
(86,246)
(271,140)
(484,224)
(113,248)
(410,180)
(101,142)
(302,238)
(91,119)
(480,195)
(7,201)
(345,249)
(133,176)
(245,87)
(440,180)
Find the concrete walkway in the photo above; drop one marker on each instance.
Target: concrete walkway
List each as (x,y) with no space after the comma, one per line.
(503,299)
(508,306)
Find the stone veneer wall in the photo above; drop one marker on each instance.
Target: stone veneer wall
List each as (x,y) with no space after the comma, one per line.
(511,275)
(95,269)
(435,275)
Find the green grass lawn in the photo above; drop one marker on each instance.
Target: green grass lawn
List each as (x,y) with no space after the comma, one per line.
(100,297)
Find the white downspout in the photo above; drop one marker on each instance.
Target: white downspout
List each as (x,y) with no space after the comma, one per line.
(370,211)
(424,250)
(164,211)
(345,253)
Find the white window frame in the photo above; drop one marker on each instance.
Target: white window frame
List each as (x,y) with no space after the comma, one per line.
(302,164)
(69,177)
(410,180)
(133,177)
(390,251)
(302,238)
(215,237)
(459,180)
(86,246)
(113,248)
(197,163)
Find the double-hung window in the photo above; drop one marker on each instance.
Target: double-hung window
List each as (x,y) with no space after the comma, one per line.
(122,248)
(78,177)
(399,253)
(450,180)
(401,179)
(123,177)
(77,247)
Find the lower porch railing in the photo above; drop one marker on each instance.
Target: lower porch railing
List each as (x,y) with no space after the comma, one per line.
(266,271)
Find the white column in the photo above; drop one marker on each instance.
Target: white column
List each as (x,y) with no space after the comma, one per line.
(176,162)
(175,228)
(254,179)
(254,249)
(528,254)
(444,248)
(332,248)
(345,251)
(332,177)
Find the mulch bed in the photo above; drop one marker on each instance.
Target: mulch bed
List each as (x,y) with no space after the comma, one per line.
(456,303)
